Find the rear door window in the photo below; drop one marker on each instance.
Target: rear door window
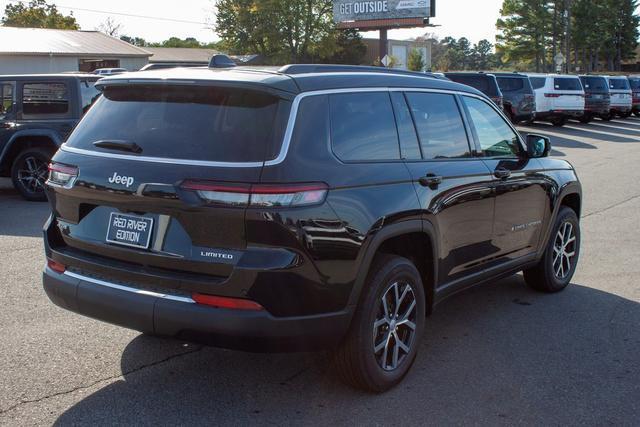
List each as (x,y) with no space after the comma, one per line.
(496,137)
(567,84)
(187,123)
(45,99)
(635,84)
(363,127)
(440,127)
(7,100)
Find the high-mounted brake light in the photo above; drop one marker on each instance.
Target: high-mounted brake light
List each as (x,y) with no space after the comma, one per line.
(62,175)
(228,303)
(258,195)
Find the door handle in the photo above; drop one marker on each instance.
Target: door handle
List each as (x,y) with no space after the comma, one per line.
(430,180)
(502,173)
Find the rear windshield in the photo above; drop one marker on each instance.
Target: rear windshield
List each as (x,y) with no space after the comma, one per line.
(567,84)
(538,82)
(483,83)
(619,84)
(514,84)
(187,123)
(594,83)
(635,84)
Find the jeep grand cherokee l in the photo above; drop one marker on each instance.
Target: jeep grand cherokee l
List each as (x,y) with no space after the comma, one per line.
(300,210)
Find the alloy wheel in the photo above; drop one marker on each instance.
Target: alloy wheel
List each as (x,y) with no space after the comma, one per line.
(33,174)
(564,250)
(394,330)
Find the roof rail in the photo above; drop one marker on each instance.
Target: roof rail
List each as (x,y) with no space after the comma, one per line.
(294,69)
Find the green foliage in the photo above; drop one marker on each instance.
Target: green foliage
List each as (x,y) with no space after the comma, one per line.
(450,54)
(136,41)
(37,14)
(603,33)
(416,61)
(189,42)
(286,31)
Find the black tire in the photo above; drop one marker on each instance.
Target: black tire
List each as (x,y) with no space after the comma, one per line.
(585,119)
(29,173)
(636,113)
(559,122)
(627,115)
(356,360)
(544,277)
(607,117)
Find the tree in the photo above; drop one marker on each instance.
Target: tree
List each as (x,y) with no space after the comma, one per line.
(37,14)
(340,47)
(416,61)
(525,27)
(110,27)
(482,56)
(280,30)
(594,34)
(136,41)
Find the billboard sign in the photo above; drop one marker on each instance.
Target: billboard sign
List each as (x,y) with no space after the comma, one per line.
(351,10)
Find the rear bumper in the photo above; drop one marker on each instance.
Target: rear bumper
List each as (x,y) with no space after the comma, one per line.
(558,114)
(180,317)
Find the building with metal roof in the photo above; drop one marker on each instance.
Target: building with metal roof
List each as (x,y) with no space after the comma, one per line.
(37,51)
(180,55)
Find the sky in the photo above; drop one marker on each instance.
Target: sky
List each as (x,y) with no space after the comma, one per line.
(473,19)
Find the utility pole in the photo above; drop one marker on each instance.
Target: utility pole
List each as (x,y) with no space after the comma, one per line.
(567,13)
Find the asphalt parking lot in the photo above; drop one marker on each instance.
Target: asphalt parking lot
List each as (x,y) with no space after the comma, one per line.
(498,355)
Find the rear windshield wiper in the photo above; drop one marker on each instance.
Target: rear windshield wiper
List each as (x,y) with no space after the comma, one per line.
(119,145)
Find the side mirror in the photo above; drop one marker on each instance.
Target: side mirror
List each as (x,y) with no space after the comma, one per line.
(538,146)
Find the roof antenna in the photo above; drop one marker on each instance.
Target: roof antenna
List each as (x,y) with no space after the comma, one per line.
(221,61)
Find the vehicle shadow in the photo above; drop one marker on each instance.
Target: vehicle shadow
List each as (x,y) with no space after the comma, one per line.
(578,130)
(557,136)
(615,128)
(497,354)
(19,217)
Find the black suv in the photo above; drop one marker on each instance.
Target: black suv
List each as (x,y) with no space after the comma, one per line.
(519,98)
(300,210)
(37,113)
(597,98)
(485,83)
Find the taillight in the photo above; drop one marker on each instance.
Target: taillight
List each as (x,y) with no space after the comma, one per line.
(56,266)
(62,175)
(258,195)
(228,303)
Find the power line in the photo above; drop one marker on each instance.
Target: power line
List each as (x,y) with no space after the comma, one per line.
(156,18)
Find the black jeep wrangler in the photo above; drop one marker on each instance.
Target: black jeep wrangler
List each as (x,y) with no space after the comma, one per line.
(37,113)
(309,208)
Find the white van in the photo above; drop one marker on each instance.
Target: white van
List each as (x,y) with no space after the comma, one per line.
(621,96)
(558,97)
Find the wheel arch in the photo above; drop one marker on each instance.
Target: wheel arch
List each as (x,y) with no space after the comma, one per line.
(406,239)
(27,139)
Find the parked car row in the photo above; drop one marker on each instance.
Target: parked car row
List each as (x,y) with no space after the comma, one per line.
(557,98)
